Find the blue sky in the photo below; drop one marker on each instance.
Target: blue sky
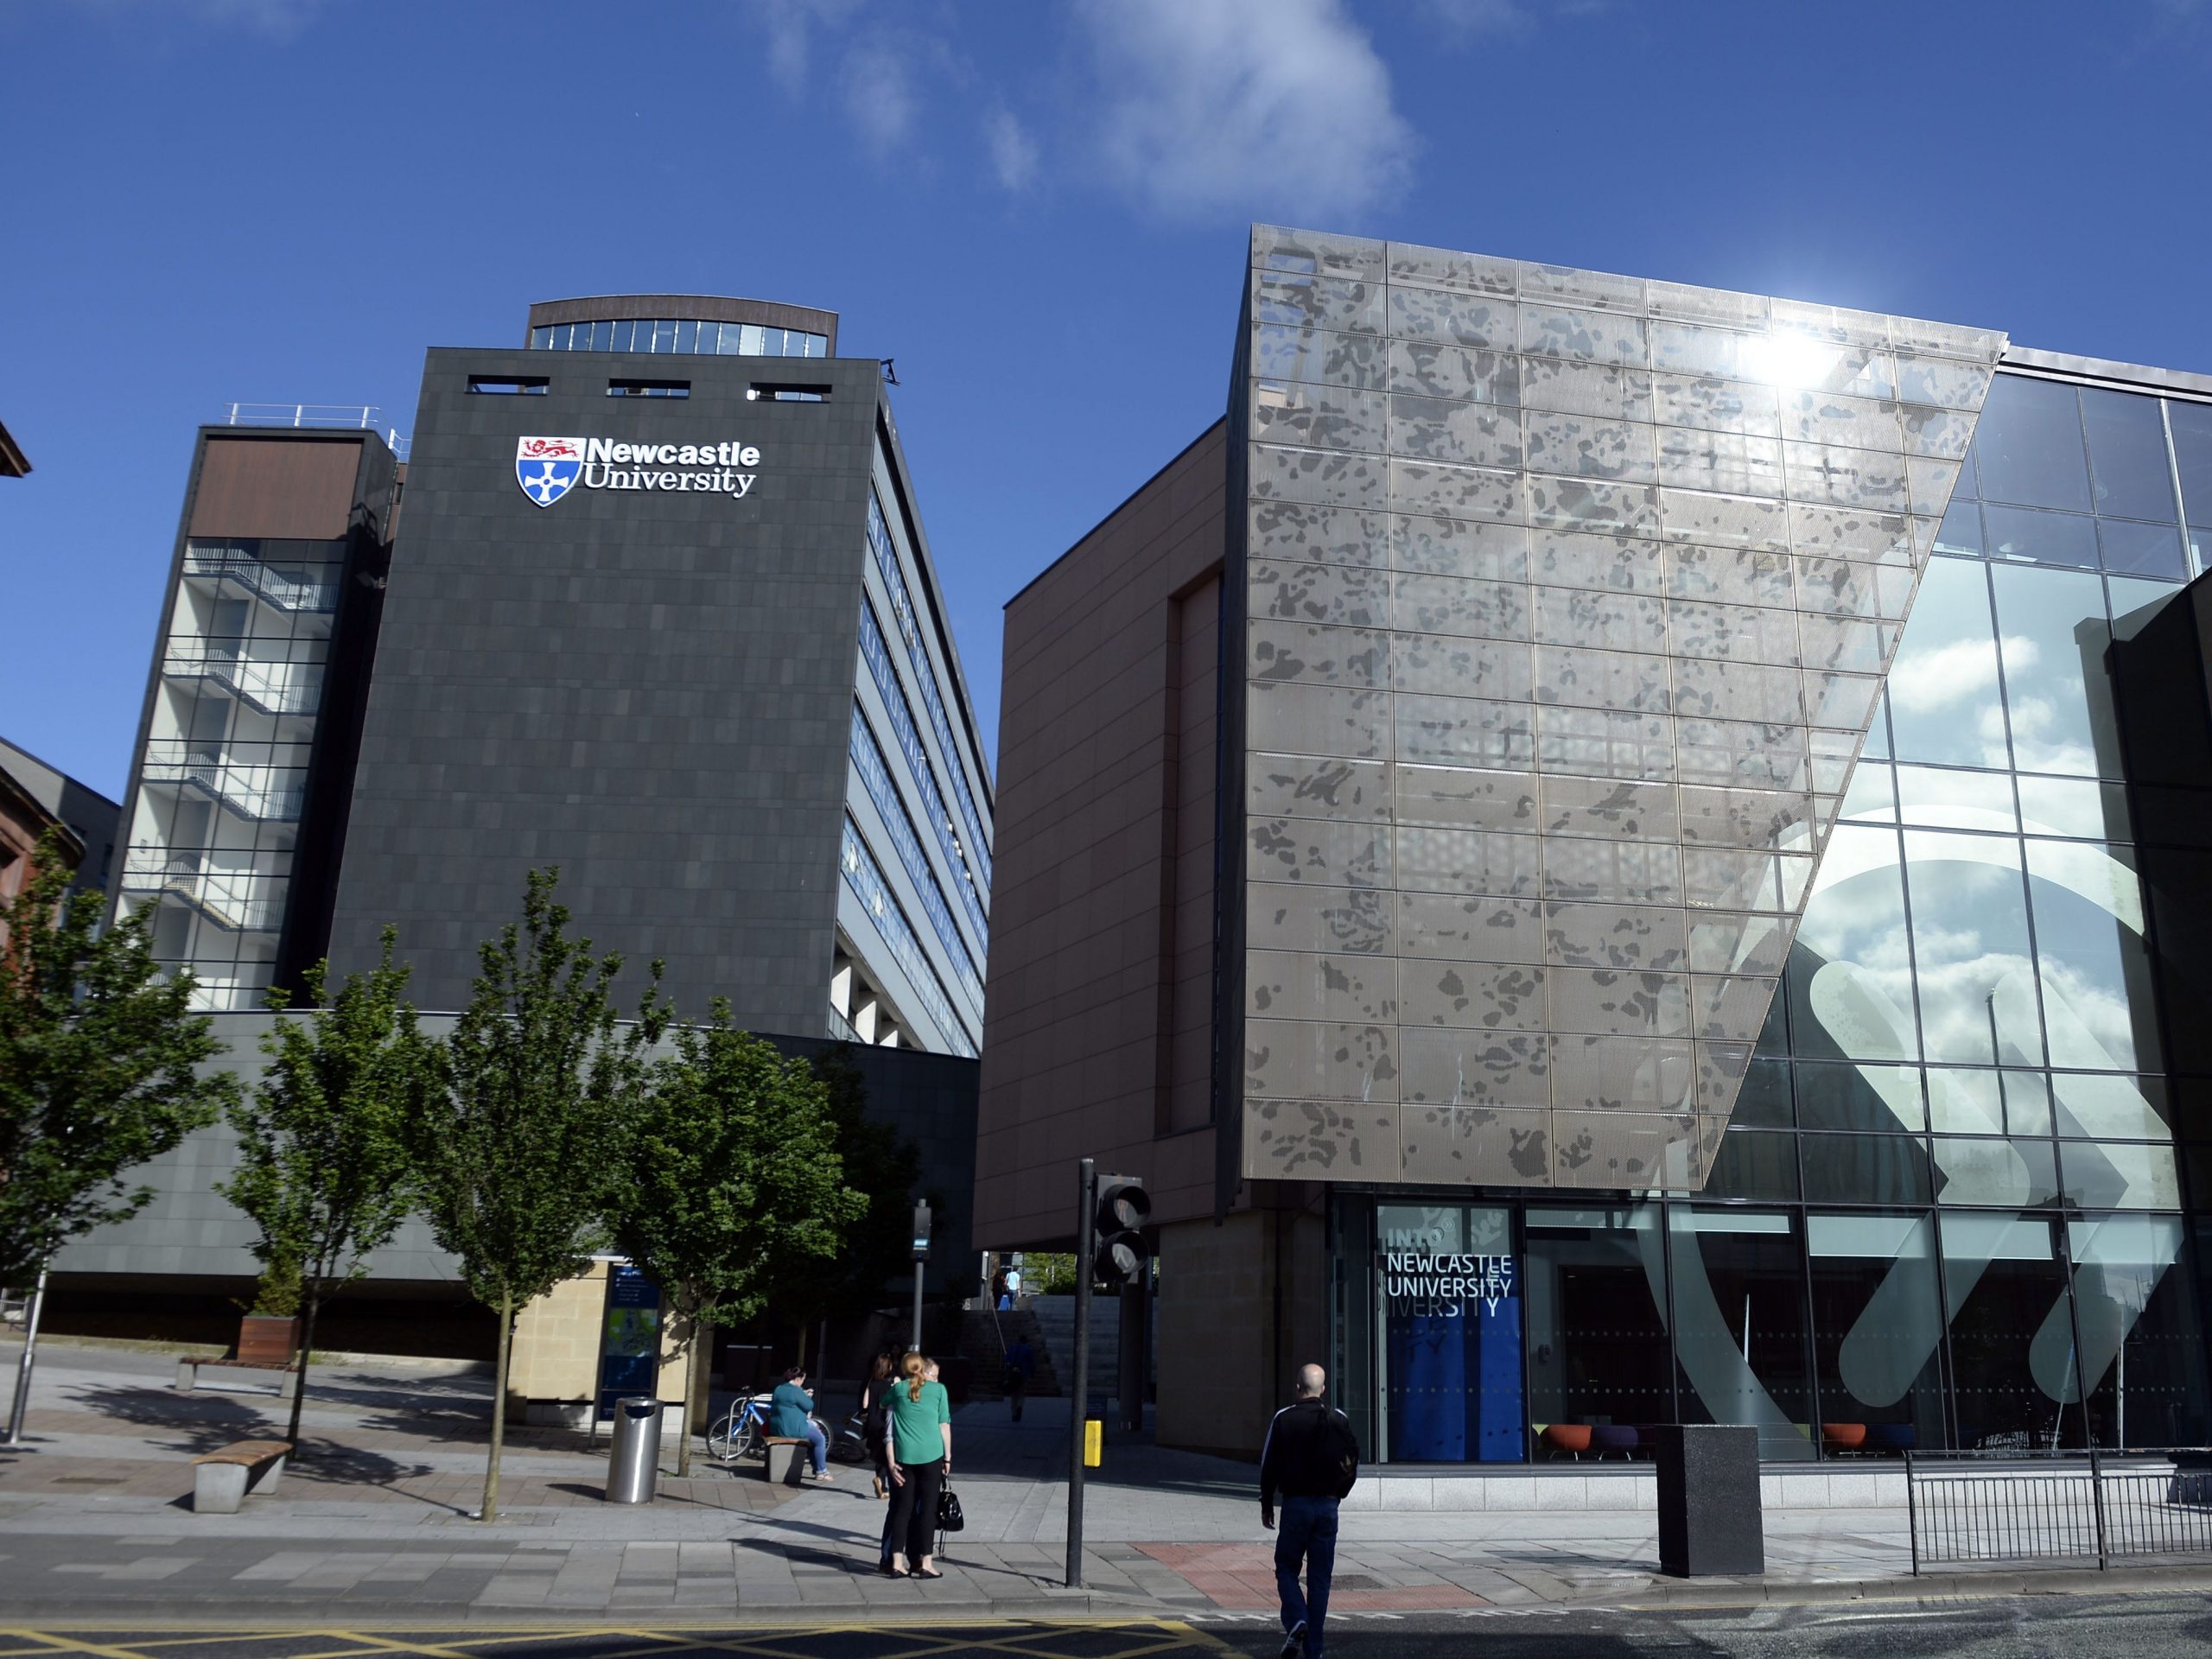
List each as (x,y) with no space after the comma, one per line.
(1038,208)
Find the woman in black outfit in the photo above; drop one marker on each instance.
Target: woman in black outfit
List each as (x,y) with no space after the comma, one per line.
(882,1374)
(920,1459)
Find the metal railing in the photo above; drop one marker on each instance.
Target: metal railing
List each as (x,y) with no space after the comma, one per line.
(286,593)
(273,688)
(231,899)
(246,791)
(1964,1512)
(359,417)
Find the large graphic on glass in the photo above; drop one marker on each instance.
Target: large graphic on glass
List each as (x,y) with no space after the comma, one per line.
(1451,1349)
(1566,602)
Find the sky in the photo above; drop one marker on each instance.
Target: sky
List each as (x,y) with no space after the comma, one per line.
(1038,207)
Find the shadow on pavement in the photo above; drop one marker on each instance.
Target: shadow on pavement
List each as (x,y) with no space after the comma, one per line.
(193,1422)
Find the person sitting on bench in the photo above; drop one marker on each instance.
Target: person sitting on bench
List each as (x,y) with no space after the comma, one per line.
(791,1416)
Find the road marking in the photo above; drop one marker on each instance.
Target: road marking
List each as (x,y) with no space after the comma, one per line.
(1151,1638)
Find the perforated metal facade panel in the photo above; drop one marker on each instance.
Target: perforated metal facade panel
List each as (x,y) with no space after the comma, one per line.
(1566,602)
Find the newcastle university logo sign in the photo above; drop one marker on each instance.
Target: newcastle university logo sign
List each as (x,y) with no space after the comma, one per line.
(548,469)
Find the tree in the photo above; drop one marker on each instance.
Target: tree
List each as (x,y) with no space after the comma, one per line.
(325,1171)
(99,1060)
(881,1164)
(516,1145)
(730,1177)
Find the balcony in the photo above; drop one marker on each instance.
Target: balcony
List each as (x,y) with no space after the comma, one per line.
(232,900)
(270,688)
(313,595)
(255,794)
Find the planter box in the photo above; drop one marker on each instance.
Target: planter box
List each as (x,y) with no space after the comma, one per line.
(264,1340)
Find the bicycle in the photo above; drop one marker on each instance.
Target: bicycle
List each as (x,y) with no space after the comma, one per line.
(742,1432)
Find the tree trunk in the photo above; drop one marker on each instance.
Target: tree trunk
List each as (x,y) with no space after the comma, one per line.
(491,1511)
(300,1383)
(683,1409)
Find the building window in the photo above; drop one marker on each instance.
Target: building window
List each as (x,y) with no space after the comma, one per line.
(787,394)
(649,388)
(507,385)
(680,336)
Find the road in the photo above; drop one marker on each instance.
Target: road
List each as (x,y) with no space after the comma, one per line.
(2160,1625)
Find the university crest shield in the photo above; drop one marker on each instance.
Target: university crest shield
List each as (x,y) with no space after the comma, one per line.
(547,468)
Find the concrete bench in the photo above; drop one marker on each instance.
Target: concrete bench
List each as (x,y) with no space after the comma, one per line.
(221,1479)
(787,1458)
(283,1379)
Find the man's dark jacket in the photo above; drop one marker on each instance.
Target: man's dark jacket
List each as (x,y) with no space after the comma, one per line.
(1311,1451)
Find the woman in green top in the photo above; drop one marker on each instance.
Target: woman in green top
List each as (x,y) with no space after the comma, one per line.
(918,1453)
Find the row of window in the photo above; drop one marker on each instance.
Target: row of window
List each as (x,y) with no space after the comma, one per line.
(1871,1097)
(864,877)
(875,650)
(537,385)
(2018,1174)
(887,559)
(1835,1334)
(2045,443)
(681,336)
(867,759)
(2003,667)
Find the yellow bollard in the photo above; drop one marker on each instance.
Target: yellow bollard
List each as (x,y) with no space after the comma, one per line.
(1094,1439)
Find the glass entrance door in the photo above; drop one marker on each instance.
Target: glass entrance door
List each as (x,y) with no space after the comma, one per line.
(1448,1310)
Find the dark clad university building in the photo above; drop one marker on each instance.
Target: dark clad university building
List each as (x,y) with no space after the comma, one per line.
(657,609)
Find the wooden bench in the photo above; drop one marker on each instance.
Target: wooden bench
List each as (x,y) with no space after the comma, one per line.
(787,1458)
(284,1380)
(221,1479)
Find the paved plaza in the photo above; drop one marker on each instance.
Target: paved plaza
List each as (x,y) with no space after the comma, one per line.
(374,1520)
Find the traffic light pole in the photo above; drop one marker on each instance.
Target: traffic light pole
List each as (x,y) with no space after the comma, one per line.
(1086,1204)
(1136,1304)
(921,1261)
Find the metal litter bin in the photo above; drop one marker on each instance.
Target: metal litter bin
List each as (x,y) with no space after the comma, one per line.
(633,1456)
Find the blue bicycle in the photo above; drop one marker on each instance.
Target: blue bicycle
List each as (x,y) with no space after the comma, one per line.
(742,1432)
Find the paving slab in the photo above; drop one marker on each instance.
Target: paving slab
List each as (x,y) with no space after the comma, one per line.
(376,1513)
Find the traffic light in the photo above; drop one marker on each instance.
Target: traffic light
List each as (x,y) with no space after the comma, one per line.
(1119,1255)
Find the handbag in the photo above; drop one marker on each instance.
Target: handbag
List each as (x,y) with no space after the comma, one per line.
(949,1516)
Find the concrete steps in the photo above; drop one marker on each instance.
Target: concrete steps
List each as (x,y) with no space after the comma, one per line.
(980,1342)
(1056,1323)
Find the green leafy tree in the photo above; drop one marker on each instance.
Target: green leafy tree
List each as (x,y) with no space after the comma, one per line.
(517,1147)
(731,1177)
(883,1166)
(1046,1273)
(325,1170)
(99,1060)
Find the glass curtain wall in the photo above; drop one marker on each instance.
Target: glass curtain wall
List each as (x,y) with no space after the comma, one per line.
(1962,1103)
(217,816)
(687,337)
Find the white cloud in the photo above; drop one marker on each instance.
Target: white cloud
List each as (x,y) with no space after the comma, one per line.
(790,25)
(1463,20)
(877,64)
(1478,17)
(877,85)
(279,20)
(1014,152)
(1925,681)
(1254,108)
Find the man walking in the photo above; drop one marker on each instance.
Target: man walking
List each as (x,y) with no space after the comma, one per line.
(1311,1458)
(1020,1366)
